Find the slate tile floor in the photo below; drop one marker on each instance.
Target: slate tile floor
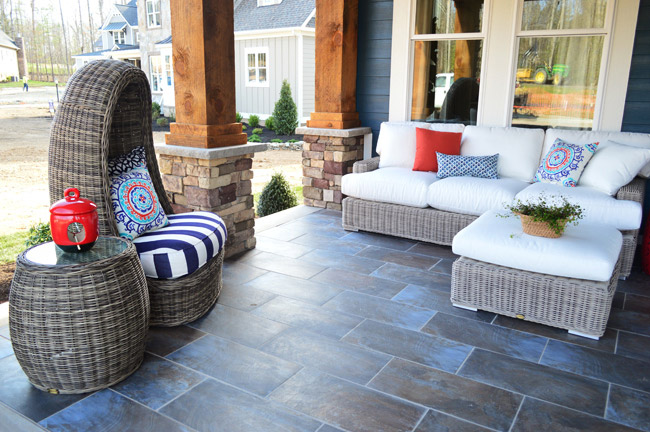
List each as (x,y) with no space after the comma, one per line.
(319,329)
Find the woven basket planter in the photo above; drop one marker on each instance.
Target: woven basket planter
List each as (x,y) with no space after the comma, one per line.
(539,228)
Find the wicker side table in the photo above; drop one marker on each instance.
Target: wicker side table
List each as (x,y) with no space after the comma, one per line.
(79,321)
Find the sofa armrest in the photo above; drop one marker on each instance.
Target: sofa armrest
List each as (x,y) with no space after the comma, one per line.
(633,191)
(365,165)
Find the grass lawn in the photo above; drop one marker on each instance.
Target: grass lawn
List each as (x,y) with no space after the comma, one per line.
(11,245)
(30,83)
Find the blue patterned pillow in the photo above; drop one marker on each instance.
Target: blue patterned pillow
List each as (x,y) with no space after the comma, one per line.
(136,158)
(564,163)
(467,166)
(135,203)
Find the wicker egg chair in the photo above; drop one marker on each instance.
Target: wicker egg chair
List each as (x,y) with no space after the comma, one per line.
(105,112)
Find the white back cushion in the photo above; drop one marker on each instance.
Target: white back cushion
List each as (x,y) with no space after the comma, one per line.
(519,149)
(613,166)
(585,137)
(396,142)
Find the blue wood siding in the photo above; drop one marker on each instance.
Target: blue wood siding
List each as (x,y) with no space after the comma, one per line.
(373,64)
(637,101)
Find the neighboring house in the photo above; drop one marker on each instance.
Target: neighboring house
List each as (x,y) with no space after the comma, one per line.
(118,37)
(8,57)
(274,41)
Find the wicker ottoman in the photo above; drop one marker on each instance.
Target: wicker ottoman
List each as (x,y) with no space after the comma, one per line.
(567,282)
(79,322)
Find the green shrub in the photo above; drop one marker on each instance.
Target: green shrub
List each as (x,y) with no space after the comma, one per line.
(276,196)
(292,141)
(39,233)
(155,110)
(268,123)
(162,122)
(253,120)
(277,140)
(243,127)
(258,131)
(254,138)
(238,117)
(285,114)
(172,118)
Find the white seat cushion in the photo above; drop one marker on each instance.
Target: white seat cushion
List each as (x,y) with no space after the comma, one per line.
(390,185)
(587,251)
(597,206)
(186,244)
(396,142)
(519,149)
(585,137)
(471,195)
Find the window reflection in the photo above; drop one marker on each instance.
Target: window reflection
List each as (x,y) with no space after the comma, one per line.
(563,14)
(448,16)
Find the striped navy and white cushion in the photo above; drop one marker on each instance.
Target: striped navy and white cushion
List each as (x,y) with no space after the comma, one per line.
(187,243)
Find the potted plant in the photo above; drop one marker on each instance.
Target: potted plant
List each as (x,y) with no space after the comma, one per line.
(546,217)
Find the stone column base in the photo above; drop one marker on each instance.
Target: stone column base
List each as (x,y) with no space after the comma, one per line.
(216,180)
(328,154)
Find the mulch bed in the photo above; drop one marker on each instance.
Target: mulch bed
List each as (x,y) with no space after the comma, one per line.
(6,274)
(266,136)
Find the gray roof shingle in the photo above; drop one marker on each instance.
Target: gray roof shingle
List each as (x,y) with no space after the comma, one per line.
(130,12)
(289,13)
(5,41)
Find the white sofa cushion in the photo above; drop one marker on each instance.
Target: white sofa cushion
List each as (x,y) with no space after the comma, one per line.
(390,185)
(396,142)
(519,149)
(584,137)
(471,195)
(598,207)
(587,251)
(613,166)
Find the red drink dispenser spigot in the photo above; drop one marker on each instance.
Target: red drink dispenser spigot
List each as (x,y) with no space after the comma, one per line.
(74,222)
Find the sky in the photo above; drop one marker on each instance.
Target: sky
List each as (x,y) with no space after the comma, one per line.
(70,9)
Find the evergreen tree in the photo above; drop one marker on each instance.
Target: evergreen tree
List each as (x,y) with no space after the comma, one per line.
(285,114)
(276,196)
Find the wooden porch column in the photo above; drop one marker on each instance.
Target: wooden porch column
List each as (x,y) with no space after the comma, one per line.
(337,24)
(203,48)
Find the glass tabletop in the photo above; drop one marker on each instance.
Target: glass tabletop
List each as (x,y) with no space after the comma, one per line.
(49,254)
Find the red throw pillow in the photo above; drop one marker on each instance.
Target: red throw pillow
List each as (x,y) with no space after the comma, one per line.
(428,142)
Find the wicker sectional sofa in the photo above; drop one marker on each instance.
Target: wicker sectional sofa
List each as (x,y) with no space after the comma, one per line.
(384,195)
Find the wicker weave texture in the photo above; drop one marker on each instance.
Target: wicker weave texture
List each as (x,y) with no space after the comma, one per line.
(424,224)
(171,307)
(572,304)
(365,165)
(82,327)
(106,111)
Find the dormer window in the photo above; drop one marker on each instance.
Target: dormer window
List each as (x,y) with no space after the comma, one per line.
(268,2)
(118,37)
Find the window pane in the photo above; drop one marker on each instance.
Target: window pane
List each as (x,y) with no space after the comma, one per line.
(563,14)
(261,57)
(262,75)
(251,60)
(251,75)
(444,62)
(448,16)
(557,81)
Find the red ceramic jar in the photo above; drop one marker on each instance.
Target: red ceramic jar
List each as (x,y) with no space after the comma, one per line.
(74,222)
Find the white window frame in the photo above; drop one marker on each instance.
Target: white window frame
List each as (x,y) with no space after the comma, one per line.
(154,18)
(160,74)
(256,51)
(499,61)
(117,33)
(261,3)
(168,68)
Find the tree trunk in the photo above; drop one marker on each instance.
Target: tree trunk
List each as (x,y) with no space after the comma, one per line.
(49,46)
(101,10)
(91,31)
(81,30)
(34,38)
(65,39)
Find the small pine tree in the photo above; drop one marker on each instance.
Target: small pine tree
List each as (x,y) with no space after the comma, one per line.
(285,114)
(276,196)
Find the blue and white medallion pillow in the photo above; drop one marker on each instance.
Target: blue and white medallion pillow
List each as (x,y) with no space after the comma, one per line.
(136,158)
(467,166)
(564,163)
(135,203)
